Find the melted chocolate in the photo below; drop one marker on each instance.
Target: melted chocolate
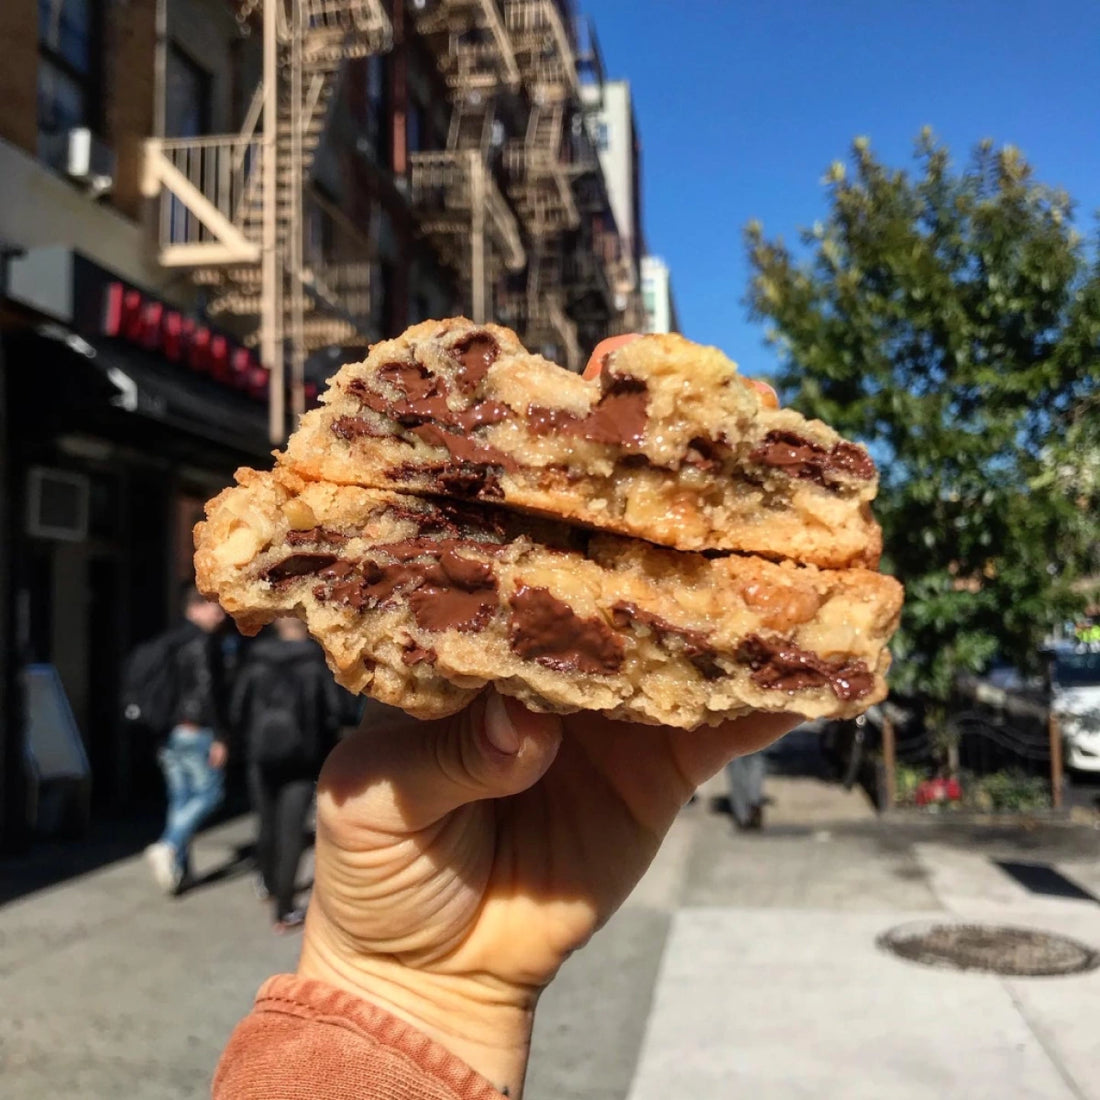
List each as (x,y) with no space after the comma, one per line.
(414,654)
(447,591)
(425,400)
(786,667)
(549,631)
(351,427)
(297,565)
(316,535)
(619,418)
(464,449)
(695,644)
(805,459)
(475,353)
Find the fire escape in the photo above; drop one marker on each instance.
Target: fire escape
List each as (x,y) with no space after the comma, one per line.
(237,210)
(540,174)
(455,194)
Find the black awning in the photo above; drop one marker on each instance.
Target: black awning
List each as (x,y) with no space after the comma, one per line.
(150,388)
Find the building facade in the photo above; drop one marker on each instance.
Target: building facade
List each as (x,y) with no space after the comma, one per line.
(658,303)
(205,207)
(609,112)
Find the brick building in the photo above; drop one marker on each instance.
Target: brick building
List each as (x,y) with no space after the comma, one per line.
(189,248)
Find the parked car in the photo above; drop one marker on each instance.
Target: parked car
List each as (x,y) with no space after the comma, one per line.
(1075,700)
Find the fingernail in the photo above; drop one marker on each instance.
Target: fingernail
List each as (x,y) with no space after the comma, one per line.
(500,732)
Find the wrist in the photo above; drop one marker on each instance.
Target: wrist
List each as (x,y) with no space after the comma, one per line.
(485,1024)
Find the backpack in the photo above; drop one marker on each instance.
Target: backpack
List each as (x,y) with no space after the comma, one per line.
(278,731)
(150,684)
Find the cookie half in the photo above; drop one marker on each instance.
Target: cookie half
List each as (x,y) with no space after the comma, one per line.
(421,602)
(669,444)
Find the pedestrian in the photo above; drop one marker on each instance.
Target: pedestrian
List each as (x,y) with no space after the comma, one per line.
(180,676)
(288,707)
(745,776)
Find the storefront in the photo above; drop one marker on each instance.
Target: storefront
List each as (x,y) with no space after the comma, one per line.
(124,416)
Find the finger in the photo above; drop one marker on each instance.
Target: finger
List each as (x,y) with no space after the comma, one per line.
(768,396)
(603,349)
(701,753)
(404,776)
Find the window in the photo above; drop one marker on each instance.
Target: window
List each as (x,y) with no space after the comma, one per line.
(187,95)
(415,133)
(374,139)
(67,63)
(601,137)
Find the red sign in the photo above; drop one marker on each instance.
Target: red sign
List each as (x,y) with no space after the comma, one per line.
(146,322)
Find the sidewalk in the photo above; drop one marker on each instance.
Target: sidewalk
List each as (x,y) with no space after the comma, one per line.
(770,984)
(743,966)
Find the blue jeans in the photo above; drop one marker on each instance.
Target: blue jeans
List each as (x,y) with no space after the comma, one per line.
(195,789)
(745,775)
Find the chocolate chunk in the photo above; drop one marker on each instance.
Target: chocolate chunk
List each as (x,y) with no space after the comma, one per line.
(351,427)
(298,565)
(805,459)
(619,418)
(549,631)
(703,454)
(413,653)
(425,400)
(464,449)
(785,667)
(458,594)
(475,353)
(693,644)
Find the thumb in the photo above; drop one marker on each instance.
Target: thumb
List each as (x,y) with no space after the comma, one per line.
(403,777)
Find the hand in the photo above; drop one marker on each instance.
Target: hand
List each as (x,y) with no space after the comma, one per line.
(218,755)
(460,862)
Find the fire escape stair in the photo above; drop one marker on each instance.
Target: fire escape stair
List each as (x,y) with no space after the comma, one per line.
(210,189)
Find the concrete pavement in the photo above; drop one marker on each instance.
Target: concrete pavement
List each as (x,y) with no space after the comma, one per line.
(743,965)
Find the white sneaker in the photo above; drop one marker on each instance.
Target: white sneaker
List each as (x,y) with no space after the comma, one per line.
(162,862)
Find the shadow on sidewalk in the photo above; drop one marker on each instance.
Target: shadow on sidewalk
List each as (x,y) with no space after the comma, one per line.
(50,861)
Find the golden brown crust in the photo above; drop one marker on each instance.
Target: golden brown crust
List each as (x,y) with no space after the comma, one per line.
(421,603)
(670,444)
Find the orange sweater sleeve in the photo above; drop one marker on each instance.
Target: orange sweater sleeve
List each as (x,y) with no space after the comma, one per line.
(306,1040)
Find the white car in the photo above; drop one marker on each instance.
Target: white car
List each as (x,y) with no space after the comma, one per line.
(1075,699)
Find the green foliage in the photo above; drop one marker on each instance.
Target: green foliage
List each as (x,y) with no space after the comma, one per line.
(906,781)
(1008,792)
(951,320)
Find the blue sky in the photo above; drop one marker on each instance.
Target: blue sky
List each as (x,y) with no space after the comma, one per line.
(743,104)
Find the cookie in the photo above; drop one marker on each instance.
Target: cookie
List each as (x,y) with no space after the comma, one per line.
(669,444)
(421,602)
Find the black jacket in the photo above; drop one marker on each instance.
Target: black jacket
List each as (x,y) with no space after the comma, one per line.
(201,696)
(318,702)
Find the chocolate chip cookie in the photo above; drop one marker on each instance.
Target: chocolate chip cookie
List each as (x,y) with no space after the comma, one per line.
(422,601)
(670,444)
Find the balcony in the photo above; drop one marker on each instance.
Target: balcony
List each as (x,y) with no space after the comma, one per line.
(451,190)
(204,187)
(471,43)
(544,48)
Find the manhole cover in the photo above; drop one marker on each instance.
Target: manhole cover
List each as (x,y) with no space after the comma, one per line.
(993,949)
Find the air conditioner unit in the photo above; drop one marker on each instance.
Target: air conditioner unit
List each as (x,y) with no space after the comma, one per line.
(89,161)
(57,504)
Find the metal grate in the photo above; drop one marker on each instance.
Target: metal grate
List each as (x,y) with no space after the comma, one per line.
(990,949)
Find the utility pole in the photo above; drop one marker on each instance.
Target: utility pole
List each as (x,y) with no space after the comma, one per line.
(478,304)
(296,213)
(271,277)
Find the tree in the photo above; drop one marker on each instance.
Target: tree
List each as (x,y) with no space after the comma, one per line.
(951,320)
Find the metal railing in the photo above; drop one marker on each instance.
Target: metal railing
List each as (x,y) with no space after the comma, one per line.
(202,185)
(443,181)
